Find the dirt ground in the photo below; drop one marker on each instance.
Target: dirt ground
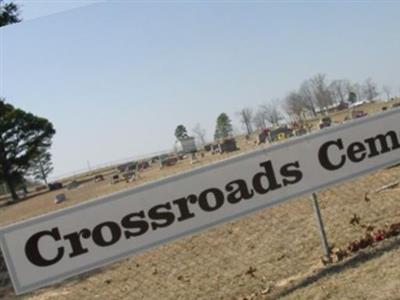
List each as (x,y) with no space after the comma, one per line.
(272,254)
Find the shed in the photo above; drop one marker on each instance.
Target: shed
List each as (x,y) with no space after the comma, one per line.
(186,145)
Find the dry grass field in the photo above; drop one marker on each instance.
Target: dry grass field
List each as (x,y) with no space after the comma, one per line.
(272,254)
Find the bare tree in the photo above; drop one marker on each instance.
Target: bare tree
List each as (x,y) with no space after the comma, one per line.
(370,89)
(307,96)
(388,91)
(200,133)
(339,90)
(294,106)
(321,92)
(259,120)
(246,117)
(272,113)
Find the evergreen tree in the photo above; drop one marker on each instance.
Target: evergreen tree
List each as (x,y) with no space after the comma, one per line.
(9,13)
(224,126)
(352,97)
(181,132)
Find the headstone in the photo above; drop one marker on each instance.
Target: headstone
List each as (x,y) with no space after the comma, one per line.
(73,185)
(59,198)
(193,159)
(98,178)
(128,175)
(55,186)
(115,179)
(208,147)
(228,145)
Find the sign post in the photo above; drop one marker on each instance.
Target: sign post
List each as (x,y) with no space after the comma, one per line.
(324,240)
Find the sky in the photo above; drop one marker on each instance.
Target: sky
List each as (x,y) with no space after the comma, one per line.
(116,77)
(31,9)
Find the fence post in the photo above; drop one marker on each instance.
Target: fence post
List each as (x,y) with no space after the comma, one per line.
(324,241)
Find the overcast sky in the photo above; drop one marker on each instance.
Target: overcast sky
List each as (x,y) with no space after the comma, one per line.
(115,79)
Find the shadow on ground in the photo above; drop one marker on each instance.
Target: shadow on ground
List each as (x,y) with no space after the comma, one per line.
(7,200)
(353,262)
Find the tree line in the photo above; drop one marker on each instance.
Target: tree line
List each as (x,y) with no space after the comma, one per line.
(317,94)
(314,95)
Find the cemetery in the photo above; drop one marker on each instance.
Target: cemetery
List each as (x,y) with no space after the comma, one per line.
(338,204)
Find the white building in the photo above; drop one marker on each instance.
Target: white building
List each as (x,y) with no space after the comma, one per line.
(186,145)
